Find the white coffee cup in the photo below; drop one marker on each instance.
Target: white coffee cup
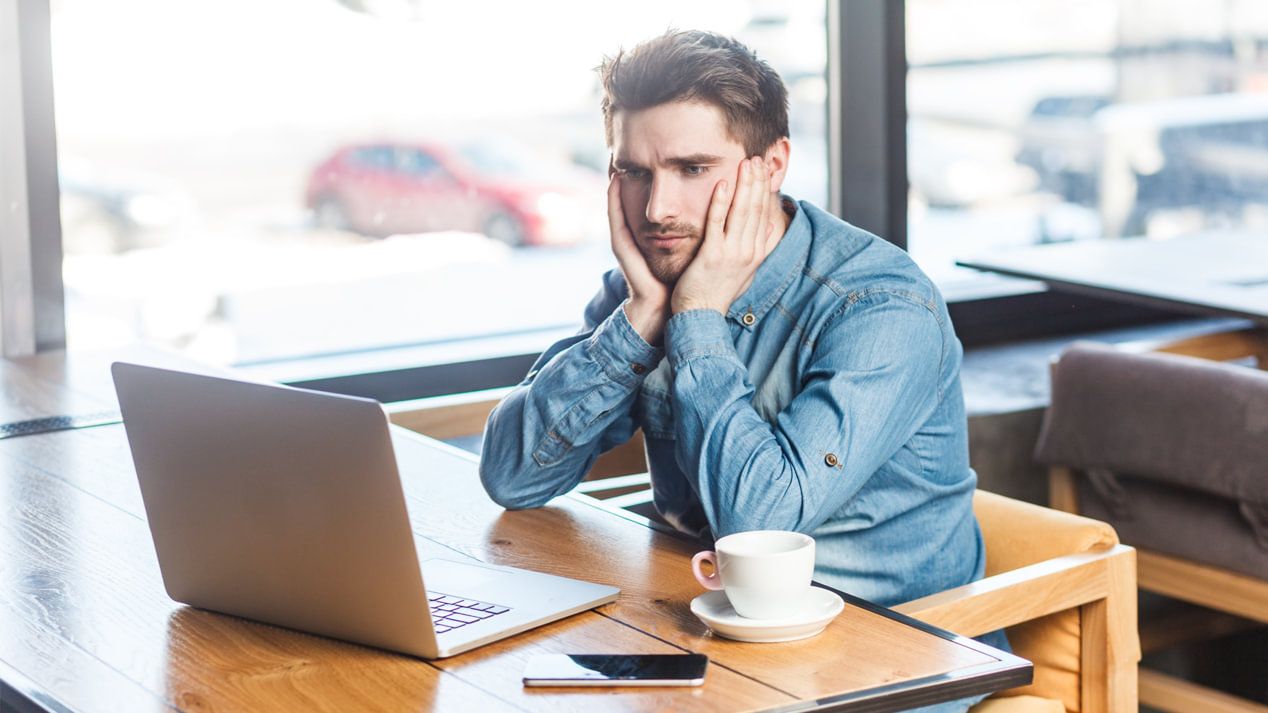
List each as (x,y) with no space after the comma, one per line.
(765,573)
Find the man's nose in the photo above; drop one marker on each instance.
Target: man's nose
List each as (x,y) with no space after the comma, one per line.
(661,206)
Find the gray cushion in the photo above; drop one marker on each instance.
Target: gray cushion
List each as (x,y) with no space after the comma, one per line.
(1190,422)
(1173,451)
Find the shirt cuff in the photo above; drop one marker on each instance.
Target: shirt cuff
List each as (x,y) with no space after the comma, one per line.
(697,333)
(624,355)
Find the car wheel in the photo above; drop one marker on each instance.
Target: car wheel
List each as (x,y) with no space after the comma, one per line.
(504,228)
(330,214)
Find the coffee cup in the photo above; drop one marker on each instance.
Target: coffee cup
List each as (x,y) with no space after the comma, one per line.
(765,573)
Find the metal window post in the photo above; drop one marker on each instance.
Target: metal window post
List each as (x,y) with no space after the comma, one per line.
(867,115)
(32,301)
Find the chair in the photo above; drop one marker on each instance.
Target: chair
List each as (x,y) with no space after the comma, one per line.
(1173,452)
(1064,590)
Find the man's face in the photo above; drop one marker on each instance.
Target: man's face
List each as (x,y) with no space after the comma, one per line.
(671,156)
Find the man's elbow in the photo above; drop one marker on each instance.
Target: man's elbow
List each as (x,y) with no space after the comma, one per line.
(502,491)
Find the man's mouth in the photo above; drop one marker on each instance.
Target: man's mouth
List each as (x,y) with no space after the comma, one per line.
(664,241)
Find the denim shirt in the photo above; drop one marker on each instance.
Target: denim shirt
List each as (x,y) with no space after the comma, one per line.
(827,401)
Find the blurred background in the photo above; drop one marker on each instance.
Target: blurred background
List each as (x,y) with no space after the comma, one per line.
(251,182)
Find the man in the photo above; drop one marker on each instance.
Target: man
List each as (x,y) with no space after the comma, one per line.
(788,370)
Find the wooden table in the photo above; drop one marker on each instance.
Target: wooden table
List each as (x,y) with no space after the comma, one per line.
(85,624)
(1222,274)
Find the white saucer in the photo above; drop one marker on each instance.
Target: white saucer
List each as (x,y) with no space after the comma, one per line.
(821,607)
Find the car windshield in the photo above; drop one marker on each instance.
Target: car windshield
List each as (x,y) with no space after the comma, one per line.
(498,159)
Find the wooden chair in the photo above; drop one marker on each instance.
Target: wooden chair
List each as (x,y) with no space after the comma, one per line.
(1171,417)
(1064,590)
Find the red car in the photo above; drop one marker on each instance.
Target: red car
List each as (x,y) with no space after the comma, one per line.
(492,188)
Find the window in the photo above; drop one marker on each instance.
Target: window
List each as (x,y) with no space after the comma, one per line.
(251,182)
(1048,120)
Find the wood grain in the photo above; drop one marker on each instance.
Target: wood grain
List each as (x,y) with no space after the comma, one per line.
(1019,595)
(1209,586)
(653,571)
(1223,346)
(1063,494)
(85,621)
(153,648)
(1176,695)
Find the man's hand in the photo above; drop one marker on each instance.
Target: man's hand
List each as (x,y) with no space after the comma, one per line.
(738,236)
(648,305)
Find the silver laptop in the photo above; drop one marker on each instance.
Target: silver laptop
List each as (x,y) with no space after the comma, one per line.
(285,506)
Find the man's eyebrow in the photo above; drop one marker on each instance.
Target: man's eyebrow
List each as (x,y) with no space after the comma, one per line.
(695,159)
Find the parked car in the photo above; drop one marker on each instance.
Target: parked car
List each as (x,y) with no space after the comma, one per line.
(492,187)
(104,213)
(1058,143)
(1131,161)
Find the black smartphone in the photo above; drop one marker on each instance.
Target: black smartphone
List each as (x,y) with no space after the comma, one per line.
(616,670)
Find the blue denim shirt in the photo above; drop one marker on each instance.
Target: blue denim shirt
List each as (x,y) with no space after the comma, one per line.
(827,401)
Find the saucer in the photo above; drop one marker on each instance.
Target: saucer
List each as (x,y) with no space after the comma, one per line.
(821,607)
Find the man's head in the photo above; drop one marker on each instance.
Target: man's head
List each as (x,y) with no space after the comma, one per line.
(680,112)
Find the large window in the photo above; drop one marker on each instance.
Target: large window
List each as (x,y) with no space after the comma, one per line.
(257,181)
(1040,121)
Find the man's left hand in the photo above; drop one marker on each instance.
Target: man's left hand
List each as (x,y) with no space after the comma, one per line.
(739,234)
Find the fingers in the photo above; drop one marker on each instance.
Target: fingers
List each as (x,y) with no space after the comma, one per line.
(761,203)
(748,230)
(764,221)
(719,208)
(621,234)
(616,216)
(737,217)
(627,255)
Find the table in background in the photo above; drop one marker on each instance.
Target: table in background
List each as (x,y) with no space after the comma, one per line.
(85,624)
(1221,274)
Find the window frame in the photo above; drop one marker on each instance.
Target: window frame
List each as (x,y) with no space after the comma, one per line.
(867,178)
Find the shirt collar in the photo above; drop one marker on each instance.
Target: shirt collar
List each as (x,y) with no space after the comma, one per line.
(776,272)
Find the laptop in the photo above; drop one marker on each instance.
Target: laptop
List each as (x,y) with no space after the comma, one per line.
(285,506)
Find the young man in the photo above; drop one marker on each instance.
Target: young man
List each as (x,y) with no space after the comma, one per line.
(788,370)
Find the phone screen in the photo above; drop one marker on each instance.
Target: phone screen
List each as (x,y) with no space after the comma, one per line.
(616,670)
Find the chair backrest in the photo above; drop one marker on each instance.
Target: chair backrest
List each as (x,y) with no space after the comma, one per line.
(1170,450)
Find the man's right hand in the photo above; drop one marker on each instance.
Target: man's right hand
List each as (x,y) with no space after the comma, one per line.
(648,305)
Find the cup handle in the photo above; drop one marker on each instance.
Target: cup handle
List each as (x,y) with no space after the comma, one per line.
(712,581)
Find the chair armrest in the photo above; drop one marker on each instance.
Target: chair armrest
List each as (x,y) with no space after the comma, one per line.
(1025,593)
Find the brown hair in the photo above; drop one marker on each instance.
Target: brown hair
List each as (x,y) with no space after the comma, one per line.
(699,66)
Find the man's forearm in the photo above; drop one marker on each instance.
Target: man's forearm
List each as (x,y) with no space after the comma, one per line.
(540,441)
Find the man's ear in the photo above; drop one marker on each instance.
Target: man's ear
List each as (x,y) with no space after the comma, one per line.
(776,157)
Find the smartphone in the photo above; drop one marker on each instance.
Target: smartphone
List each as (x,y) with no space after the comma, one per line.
(616,670)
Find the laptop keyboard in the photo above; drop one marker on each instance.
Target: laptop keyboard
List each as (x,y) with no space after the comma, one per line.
(450,612)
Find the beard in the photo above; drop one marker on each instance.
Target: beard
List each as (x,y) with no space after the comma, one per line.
(668,265)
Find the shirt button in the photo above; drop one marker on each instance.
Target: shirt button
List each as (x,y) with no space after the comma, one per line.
(748,319)
(832,460)
(638,368)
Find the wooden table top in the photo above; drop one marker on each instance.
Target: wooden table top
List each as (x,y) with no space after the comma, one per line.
(1221,274)
(85,624)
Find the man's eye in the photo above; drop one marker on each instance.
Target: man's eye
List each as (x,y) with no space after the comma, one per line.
(695,170)
(635,174)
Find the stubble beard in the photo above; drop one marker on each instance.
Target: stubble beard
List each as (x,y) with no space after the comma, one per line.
(669,266)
